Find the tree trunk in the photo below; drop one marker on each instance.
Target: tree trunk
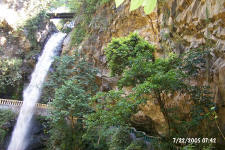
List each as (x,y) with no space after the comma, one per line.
(163,110)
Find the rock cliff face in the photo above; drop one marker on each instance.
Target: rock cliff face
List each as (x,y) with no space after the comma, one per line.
(187,24)
(37,135)
(14,44)
(175,25)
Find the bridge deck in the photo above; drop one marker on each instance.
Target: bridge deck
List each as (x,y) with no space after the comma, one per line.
(60,15)
(42,109)
(15,105)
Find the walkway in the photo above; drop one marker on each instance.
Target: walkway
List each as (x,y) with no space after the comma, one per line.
(15,105)
(60,15)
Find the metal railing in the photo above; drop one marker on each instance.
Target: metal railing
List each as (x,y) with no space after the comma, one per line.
(10,102)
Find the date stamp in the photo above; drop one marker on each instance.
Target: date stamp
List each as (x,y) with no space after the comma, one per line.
(194,140)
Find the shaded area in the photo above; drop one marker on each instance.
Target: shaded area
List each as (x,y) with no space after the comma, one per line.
(60,15)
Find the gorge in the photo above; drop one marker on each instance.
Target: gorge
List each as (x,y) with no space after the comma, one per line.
(32,93)
(160,74)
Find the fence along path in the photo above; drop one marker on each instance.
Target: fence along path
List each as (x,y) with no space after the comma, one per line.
(15,105)
(42,109)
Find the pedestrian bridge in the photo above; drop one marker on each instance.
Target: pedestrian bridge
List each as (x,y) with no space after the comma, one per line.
(15,105)
(43,110)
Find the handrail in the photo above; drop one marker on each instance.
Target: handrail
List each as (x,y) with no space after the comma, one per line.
(11,102)
(60,15)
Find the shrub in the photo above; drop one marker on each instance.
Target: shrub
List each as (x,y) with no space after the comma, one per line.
(10,77)
(120,52)
(70,86)
(31,26)
(85,10)
(120,139)
(5,116)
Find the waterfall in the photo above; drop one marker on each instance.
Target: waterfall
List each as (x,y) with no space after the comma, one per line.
(32,93)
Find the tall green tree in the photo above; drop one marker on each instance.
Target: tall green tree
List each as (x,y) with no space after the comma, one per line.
(72,84)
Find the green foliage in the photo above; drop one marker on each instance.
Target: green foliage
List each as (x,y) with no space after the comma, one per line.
(31,26)
(70,101)
(121,52)
(113,108)
(78,34)
(160,73)
(74,68)
(10,77)
(120,139)
(192,147)
(5,116)
(149,5)
(195,61)
(137,145)
(71,86)
(158,77)
(85,10)
(107,115)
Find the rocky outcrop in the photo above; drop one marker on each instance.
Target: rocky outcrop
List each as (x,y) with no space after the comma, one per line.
(15,44)
(187,24)
(175,25)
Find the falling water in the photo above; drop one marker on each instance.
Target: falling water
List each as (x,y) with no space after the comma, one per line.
(32,93)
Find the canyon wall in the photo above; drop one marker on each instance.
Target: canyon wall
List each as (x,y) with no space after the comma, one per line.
(175,25)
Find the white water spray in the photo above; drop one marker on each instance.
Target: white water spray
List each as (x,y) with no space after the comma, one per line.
(32,93)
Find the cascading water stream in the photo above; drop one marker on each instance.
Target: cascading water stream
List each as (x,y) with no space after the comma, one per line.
(32,93)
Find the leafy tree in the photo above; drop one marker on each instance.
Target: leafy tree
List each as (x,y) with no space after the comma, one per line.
(120,139)
(74,68)
(10,77)
(163,78)
(121,52)
(110,118)
(70,103)
(159,77)
(5,116)
(137,145)
(72,84)
(111,109)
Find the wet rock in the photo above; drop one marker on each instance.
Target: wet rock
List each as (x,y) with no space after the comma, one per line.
(37,138)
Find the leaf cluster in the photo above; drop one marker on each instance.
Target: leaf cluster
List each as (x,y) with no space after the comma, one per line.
(112,108)
(149,5)
(74,68)
(10,76)
(31,27)
(120,52)
(5,116)
(70,86)
(85,10)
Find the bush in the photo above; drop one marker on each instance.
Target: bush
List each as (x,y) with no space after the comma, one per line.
(120,139)
(70,86)
(120,52)
(73,68)
(137,145)
(85,10)
(10,78)
(5,116)
(31,26)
